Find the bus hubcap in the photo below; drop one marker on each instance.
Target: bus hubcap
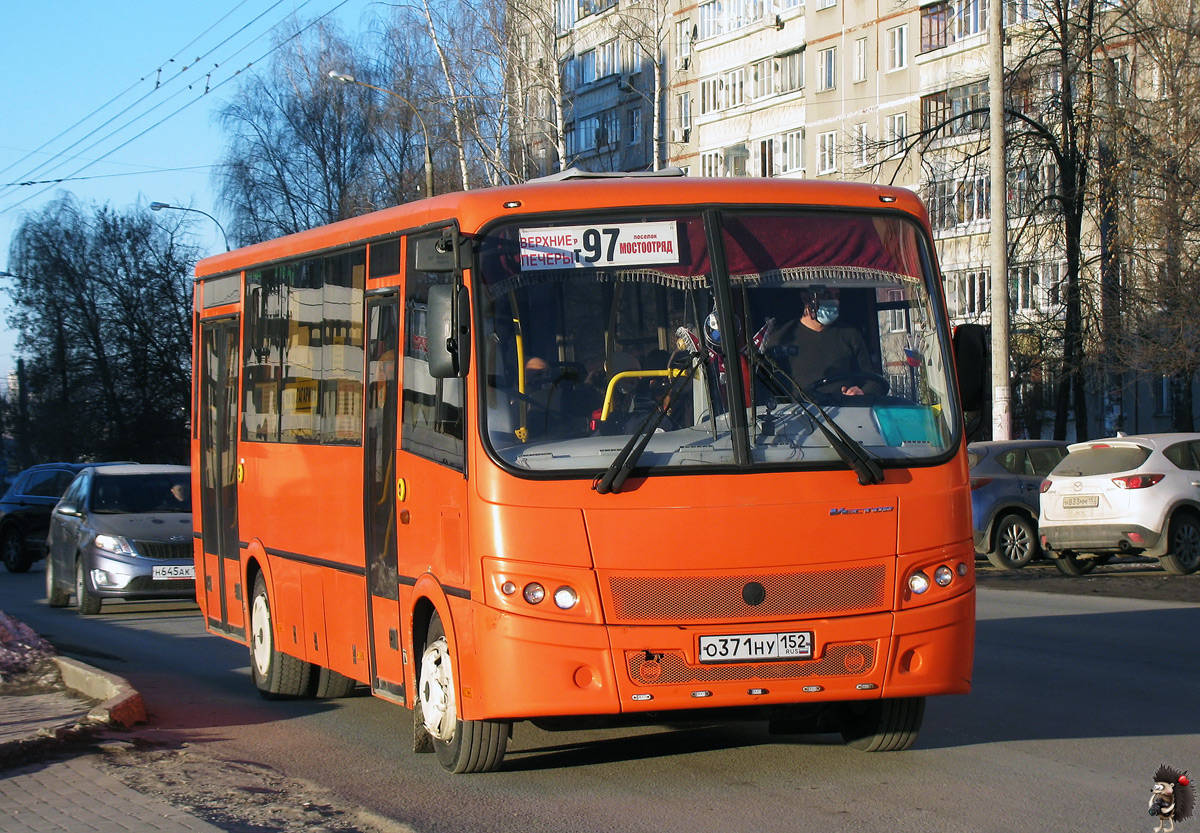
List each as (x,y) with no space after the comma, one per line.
(261,647)
(437,691)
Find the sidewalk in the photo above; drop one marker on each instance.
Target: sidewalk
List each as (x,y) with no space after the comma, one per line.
(48,787)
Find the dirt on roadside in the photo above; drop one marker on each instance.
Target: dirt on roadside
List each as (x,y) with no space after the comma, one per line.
(1140,579)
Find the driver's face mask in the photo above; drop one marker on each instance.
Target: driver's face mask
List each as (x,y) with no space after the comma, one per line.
(827,312)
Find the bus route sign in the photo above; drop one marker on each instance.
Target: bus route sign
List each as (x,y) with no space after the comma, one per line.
(589,247)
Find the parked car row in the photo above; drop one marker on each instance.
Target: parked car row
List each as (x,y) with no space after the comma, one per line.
(1087,503)
(106,530)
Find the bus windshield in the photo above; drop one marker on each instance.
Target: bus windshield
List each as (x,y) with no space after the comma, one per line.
(727,338)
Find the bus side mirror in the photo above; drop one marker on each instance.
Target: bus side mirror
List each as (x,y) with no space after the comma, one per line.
(434,254)
(448,324)
(973,366)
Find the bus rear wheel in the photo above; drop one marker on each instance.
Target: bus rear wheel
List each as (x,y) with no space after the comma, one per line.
(889,725)
(276,675)
(462,746)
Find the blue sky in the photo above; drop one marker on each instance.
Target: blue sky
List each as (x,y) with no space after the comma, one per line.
(70,66)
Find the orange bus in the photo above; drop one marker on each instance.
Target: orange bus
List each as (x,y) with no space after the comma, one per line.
(591,450)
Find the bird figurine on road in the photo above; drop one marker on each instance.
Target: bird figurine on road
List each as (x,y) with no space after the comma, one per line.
(1172,798)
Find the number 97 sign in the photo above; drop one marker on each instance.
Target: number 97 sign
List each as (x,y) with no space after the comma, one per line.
(588,247)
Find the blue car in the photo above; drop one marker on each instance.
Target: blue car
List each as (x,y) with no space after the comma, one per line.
(1006,479)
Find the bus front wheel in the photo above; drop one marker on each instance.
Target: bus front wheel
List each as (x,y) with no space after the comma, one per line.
(276,675)
(889,725)
(462,746)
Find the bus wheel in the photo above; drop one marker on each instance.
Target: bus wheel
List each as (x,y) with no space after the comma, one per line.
(329,684)
(1070,564)
(462,745)
(883,725)
(276,674)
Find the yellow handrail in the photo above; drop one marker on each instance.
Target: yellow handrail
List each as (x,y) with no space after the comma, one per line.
(627,374)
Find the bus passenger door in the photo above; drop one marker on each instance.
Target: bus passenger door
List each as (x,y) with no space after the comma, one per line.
(219,584)
(379,493)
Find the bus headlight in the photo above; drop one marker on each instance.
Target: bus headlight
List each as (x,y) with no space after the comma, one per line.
(534,593)
(918,582)
(566,598)
(943,575)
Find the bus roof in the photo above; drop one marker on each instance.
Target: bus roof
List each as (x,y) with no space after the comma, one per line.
(473,209)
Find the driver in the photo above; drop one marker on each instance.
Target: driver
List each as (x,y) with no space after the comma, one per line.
(811,348)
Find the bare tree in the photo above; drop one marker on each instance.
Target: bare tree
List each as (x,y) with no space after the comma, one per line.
(103,307)
(1156,83)
(301,150)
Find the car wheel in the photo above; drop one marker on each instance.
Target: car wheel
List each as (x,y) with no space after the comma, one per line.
(276,675)
(462,745)
(889,725)
(12,549)
(55,596)
(1184,556)
(1070,564)
(85,602)
(1016,543)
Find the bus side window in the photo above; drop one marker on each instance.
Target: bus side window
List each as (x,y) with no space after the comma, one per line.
(433,413)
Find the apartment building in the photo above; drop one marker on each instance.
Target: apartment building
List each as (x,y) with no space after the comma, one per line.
(891,91)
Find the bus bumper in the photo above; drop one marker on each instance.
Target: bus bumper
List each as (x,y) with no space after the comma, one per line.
(534,668)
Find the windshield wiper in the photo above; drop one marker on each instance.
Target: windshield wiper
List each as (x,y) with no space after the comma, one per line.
(852,452)
(622,465)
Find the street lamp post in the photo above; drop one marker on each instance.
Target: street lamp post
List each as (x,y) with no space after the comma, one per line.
(159,206)
(350,79)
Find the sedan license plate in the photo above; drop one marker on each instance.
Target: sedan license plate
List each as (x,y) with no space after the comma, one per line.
(1080,501)
(756,647)
(173,571)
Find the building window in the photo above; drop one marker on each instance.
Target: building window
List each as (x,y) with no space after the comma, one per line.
(710,95)
(766,157)
(763,77)
(827,153)
(897,39)
(734,83)
(968,99)
(712,20)
(967,293)
(586,67)
(959,202)
(827,69)
(935,109)
(634,122)
(826,4)
(970,18)
(684,110)
(935,27)
(860,60)
(736,160)
(710,163)
(793,151)
(862,143)
(608,59)
(791,72)
(683,38)
(897,130)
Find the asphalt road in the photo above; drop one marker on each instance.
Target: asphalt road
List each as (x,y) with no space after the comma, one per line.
(1076,700)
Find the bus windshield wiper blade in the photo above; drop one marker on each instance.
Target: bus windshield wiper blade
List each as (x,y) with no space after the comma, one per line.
(622,465)
(852,452)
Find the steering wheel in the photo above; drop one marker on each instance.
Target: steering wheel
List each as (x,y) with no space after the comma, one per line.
(832,385)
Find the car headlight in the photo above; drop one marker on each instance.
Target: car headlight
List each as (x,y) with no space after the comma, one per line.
(114,544)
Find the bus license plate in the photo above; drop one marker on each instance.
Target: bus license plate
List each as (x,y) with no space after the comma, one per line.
(173,571)
(755,647)
(1081,501)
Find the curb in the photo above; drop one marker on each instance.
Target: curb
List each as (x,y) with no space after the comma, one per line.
(121,705)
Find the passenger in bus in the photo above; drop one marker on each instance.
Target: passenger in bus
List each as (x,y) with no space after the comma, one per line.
(812,348)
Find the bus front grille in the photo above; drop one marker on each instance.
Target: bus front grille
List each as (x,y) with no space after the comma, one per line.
(671,667)
(725,598)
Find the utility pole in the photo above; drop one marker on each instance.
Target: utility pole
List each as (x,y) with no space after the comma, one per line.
(998,237)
